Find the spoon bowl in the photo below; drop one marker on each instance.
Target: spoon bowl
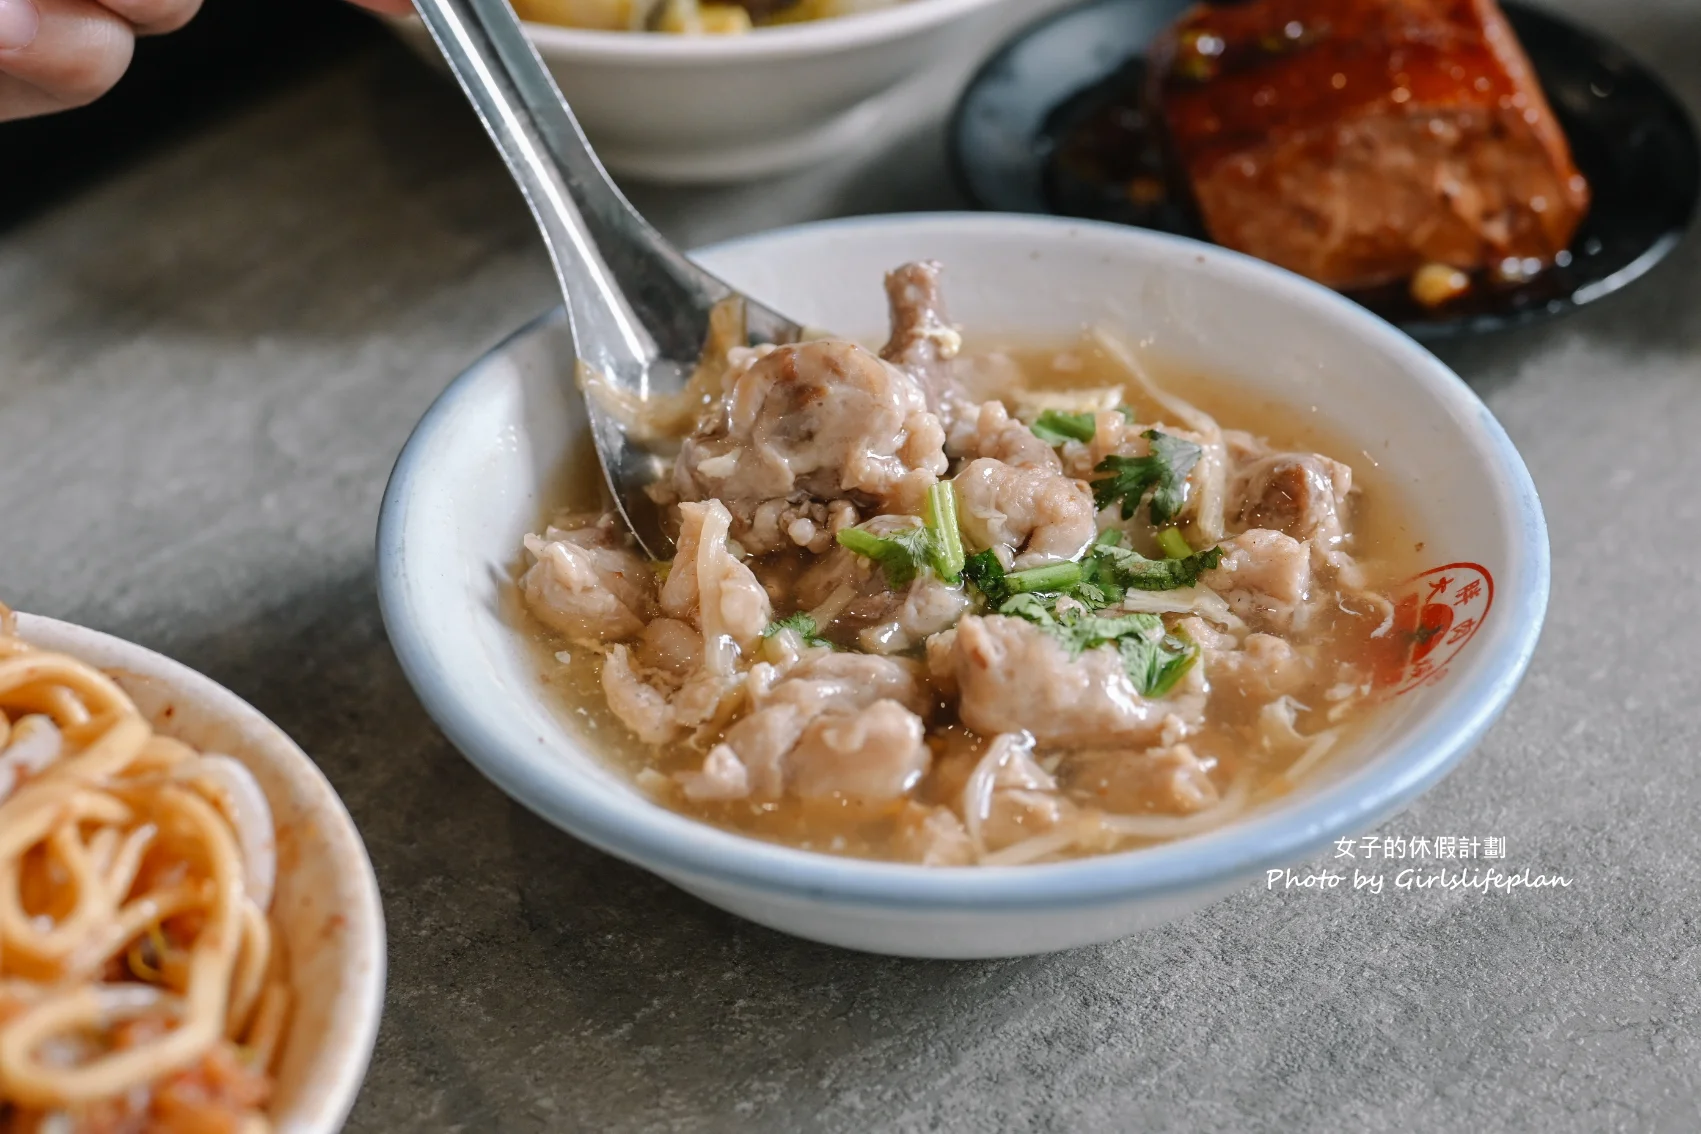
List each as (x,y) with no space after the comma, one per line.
(637,309)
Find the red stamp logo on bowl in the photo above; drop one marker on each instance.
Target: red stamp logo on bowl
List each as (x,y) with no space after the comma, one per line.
(1436,616)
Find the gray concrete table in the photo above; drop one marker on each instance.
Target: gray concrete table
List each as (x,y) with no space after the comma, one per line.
(207,366)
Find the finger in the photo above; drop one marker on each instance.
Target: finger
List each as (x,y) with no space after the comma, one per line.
(155,17)
(80,49)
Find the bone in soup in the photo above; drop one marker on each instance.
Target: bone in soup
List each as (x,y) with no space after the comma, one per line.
(961,607)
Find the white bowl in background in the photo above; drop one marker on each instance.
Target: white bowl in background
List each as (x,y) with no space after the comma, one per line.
(487,463)
(326,905)
(710,108)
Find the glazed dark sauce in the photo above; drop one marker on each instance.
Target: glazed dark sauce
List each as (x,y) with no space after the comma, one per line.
(1104,160)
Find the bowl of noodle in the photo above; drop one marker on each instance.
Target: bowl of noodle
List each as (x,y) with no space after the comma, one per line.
(190,931)
(693,105)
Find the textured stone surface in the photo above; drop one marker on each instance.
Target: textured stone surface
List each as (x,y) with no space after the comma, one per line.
(206,369)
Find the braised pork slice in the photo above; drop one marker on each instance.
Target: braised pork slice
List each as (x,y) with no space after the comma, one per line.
(923,343)
(834,725)
(1171,779)
(933,836)
(849,599)
(1354,141)
(988,430)
(686,671)
(1301,494)
(1029,516)
(1250,670)
(712,588)
(1011,675)
(588,582)
(807,424)
(1264,576)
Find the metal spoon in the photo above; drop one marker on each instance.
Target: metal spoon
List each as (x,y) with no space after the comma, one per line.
(638,309)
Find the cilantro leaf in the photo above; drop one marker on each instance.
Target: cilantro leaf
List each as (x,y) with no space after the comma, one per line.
(802,624)
(1156,666)
(1127,568)
(989,577)
(1054,427)
(936,543)
(901,554)
(1163,472)
(987,574)
(1154,661)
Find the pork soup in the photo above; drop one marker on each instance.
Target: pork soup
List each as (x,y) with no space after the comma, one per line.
(973,605)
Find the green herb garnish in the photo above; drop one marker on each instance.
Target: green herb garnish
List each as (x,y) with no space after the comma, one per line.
(1154,661)
(1173,544)
(1163,473)
(991,580)
(901,554)
(941,520)
(987,574)
(1054,427)
(804,626)
(1127,568)
(936,543)
(1058,577)
(1156,666)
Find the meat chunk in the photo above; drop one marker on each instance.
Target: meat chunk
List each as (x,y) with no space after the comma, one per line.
(815,422)
(847,595)
(933,836)
(1171,780)
(908,618)
(1012,676)
(1353,141)
(587,582)
(1263,668)
(1301,494)
(710,587)
(659,707)
(1112,433)
(923,343)
(988,430)
(848,682)
(1030,516)
(1264,576)
(670,646)
(836,725)
(1009,797)
(686,672)
(876,754)
(722,777)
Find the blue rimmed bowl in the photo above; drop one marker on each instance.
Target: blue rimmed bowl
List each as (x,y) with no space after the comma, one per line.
(489,460)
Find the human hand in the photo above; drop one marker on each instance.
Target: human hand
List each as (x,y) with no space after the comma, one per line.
(57,54)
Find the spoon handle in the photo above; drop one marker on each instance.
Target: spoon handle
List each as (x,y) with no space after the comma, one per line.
(631,296)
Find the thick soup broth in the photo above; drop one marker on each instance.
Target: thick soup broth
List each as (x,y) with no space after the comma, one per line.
(1114,709)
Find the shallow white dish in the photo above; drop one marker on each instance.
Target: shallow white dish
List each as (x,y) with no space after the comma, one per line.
(487,462)
(326,906)
(710,108)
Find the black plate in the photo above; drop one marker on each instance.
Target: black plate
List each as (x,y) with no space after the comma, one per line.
(1080,70)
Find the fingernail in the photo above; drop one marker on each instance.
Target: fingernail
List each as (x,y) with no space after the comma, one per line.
(19,21)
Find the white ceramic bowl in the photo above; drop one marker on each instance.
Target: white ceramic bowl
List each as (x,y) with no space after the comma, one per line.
(326,905)
(733,108)
(486,464)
